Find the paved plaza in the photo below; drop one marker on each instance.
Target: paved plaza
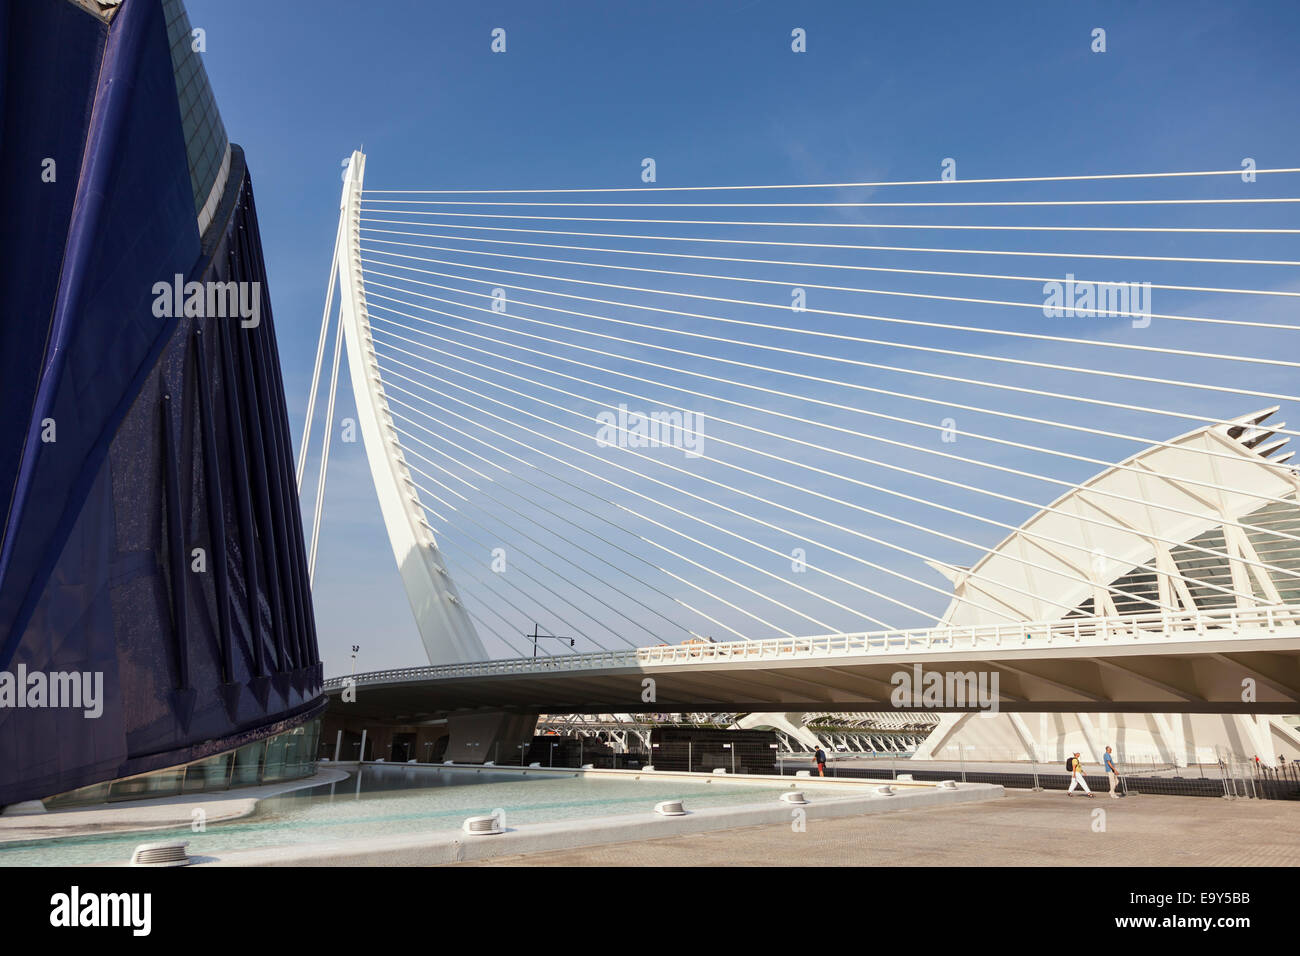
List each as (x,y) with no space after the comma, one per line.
(1024,829)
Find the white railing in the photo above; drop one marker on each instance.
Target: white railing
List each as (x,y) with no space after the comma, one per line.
(1151,628)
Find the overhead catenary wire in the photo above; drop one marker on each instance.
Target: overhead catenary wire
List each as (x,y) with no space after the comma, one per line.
(894,320)
(758,498)
(974,300)
(487,494)
(819,379)
(946,183)
(861,340)
(569,601)
(850,247)
(901,204)
(438,498)
(603,369)
(947,227)
(574,503)
(868,485)
(569,463)
(852,361)
(795,263)
(853,432)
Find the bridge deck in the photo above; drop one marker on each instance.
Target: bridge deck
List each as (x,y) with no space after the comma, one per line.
(1193,663)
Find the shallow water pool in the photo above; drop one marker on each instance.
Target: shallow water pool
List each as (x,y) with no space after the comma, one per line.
(391,800)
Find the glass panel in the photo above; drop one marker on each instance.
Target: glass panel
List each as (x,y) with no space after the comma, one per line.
(210,774)
(248,764)
(161,783)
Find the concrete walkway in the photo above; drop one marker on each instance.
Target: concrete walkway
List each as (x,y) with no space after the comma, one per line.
(159,813)
(1023,829)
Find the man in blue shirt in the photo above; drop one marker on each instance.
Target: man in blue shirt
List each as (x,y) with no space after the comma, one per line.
(1112,773)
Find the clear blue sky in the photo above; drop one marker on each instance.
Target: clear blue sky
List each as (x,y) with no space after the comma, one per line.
(713,92)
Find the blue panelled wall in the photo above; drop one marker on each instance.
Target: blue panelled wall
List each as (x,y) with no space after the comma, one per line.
(151,528)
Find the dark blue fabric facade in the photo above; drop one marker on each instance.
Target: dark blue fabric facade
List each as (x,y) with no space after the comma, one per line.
(156,540)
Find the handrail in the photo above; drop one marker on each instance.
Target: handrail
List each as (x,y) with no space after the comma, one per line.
(1151,628)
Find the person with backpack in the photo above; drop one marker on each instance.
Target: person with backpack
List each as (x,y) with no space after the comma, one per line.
(1075,766)
(819,758)
(1112,773)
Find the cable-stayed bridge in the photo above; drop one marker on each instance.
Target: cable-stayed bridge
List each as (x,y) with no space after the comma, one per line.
(766,453)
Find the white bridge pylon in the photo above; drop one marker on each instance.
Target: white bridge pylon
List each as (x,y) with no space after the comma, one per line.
(448,633)
(831,496)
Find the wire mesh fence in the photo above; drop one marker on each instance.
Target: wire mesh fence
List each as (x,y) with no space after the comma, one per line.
(712,750)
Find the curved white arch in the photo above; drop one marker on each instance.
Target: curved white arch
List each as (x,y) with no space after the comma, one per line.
(446,629)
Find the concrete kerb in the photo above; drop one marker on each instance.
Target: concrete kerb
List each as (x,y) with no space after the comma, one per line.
(697,777)
(452,846)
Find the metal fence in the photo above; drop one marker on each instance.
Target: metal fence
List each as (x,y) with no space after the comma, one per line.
(1232,777)
(1235,778)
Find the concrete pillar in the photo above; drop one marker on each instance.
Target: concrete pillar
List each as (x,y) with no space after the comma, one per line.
(479,737)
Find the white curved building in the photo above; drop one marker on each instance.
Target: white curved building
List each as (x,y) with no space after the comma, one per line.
(1209,520)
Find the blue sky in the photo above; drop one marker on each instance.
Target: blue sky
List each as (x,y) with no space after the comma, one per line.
(713,92)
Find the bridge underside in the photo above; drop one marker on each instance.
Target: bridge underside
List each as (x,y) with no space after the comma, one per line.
(1256,676)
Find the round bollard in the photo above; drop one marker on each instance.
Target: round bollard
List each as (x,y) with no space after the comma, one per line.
(483,826)
(170,853)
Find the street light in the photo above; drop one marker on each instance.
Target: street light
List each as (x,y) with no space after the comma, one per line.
(537,636)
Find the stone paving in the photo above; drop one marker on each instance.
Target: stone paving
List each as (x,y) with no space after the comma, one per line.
(1024,829)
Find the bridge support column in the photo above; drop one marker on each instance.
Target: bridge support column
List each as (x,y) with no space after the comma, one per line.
(791,725)
(479,737)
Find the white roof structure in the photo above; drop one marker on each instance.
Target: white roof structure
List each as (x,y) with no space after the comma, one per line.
(1206,521)
(1159,508)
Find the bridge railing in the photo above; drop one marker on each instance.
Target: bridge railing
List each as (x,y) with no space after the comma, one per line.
(1141,628)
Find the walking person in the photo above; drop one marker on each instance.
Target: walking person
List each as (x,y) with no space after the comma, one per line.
(1075,766)
(1112,773)
(820,759)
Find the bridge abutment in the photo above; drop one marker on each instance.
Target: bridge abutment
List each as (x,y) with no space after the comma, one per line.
(478,737)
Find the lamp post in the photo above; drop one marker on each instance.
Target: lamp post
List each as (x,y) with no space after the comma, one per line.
(538,636)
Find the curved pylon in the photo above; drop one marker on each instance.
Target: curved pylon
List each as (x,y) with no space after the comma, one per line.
(445,626)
